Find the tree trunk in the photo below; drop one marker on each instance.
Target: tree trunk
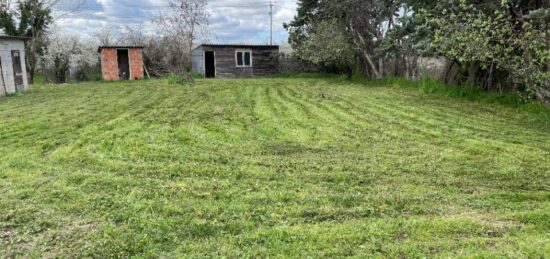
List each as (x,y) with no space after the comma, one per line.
(490,78)
(472,74)
(548,47)
(31,75)
(381,67)
(407,68)
(371,65)
(543,96)
(412,66)
(449,69)
(32,68)
(396,66)
(31,64)
(370,62)
(349,73)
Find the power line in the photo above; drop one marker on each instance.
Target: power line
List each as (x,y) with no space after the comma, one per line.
(147,10)
(271,25)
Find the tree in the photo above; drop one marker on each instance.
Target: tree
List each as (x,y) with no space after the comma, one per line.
(502,43)
(185,22)
(366,22)
(496,44)
(69,52)
(105,35)
(329,46)
(132,35)
(7,23)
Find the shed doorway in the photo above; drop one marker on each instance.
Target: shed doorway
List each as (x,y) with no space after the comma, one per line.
(17,69)
(123,64)
(209,64)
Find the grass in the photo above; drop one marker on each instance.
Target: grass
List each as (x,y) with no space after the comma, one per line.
(281,167)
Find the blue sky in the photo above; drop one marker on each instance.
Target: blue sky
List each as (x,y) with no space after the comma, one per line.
(231,21)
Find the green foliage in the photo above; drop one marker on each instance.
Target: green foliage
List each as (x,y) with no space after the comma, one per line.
(329,46)
(34,17)
(498,45)
(307,75)
(496,41)
(179,80)
(31,19)
(470,93)
(259,168)
(7,24)
(196,75)
(61,65)
(410,36)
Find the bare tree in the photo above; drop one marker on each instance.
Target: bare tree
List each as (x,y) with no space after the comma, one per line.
(185,22)
(73,8)
(104,35)
(132,35)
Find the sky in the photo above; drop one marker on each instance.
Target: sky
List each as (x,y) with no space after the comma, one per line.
(231,21)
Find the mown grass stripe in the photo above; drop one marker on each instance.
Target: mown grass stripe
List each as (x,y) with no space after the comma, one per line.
(267,167)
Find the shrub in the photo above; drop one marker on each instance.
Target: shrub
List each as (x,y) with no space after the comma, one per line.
(180,80)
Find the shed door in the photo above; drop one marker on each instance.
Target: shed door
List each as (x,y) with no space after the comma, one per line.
(209,64)
(17,68)
(123,64)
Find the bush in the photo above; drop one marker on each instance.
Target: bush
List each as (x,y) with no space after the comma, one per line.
(179,80)
(196,75)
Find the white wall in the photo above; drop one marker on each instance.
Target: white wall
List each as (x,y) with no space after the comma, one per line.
(2,87)
(197,59)
(6,46)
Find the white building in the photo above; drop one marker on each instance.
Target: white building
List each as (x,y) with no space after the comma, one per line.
(13,71)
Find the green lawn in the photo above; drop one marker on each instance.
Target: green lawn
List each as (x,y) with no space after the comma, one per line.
(267,168)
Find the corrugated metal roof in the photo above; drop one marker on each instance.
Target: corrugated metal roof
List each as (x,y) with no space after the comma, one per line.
(6,37)
(237,46)
(119,47)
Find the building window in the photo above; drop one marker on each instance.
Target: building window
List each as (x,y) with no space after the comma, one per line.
(244,58)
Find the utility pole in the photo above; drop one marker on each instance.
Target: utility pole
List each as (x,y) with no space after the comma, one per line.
(271,17)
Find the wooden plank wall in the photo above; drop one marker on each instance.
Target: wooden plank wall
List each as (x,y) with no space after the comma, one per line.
(264,61)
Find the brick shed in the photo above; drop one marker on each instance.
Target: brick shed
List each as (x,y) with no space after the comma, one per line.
(121,62)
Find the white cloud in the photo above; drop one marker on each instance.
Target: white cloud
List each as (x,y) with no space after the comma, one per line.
(234,21)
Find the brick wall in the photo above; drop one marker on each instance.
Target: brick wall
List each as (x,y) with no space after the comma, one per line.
(109,64)
(136,63)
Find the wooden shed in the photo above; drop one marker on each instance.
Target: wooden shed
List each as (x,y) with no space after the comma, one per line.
(121,62)
(227,60)
(13,70)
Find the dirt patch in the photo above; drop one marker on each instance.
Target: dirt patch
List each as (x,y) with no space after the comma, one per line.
(489,220)
(49,242)
(495,227)
(7,233)
(77,229)
(218,111)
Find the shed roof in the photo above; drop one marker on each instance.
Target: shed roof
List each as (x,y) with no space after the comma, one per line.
(237,46)
(7,37)
(118,47)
